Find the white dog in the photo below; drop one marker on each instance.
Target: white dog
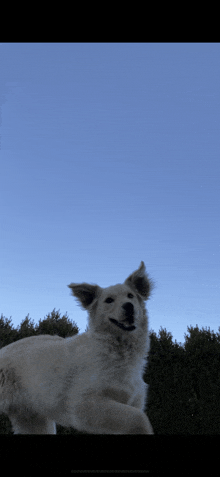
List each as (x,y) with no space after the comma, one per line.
(92,381)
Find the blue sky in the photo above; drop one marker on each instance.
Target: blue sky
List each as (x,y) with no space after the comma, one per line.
(110,154)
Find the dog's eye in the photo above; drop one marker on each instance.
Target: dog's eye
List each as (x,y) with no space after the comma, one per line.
(109,300)
(130,295)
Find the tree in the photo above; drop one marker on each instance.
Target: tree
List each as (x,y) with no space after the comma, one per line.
(203,357)
(7,332)
(168,384)
(54,324)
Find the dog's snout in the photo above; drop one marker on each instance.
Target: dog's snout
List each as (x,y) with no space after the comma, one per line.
(129,312)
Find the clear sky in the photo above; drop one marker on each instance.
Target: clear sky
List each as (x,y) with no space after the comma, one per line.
(110,154)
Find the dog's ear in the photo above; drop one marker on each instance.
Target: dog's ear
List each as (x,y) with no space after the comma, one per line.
(140,281)
(84,293)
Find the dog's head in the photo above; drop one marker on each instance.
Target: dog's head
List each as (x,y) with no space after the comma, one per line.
(117,309)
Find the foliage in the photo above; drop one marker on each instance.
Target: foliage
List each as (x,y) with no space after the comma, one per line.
(53,324)
(184,383)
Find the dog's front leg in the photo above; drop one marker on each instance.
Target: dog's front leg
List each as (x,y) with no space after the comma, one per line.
(105,416)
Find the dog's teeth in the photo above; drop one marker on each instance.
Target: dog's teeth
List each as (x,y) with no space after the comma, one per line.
(120,325)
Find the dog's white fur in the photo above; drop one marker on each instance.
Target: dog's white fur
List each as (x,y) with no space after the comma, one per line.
(92,381)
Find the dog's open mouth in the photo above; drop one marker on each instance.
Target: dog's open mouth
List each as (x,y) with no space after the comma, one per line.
(120,325)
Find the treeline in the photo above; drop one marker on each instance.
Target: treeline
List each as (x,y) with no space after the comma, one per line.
(183,379)
(184,383)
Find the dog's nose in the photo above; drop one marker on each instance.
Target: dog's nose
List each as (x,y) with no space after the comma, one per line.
(129,308)
(129,312)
